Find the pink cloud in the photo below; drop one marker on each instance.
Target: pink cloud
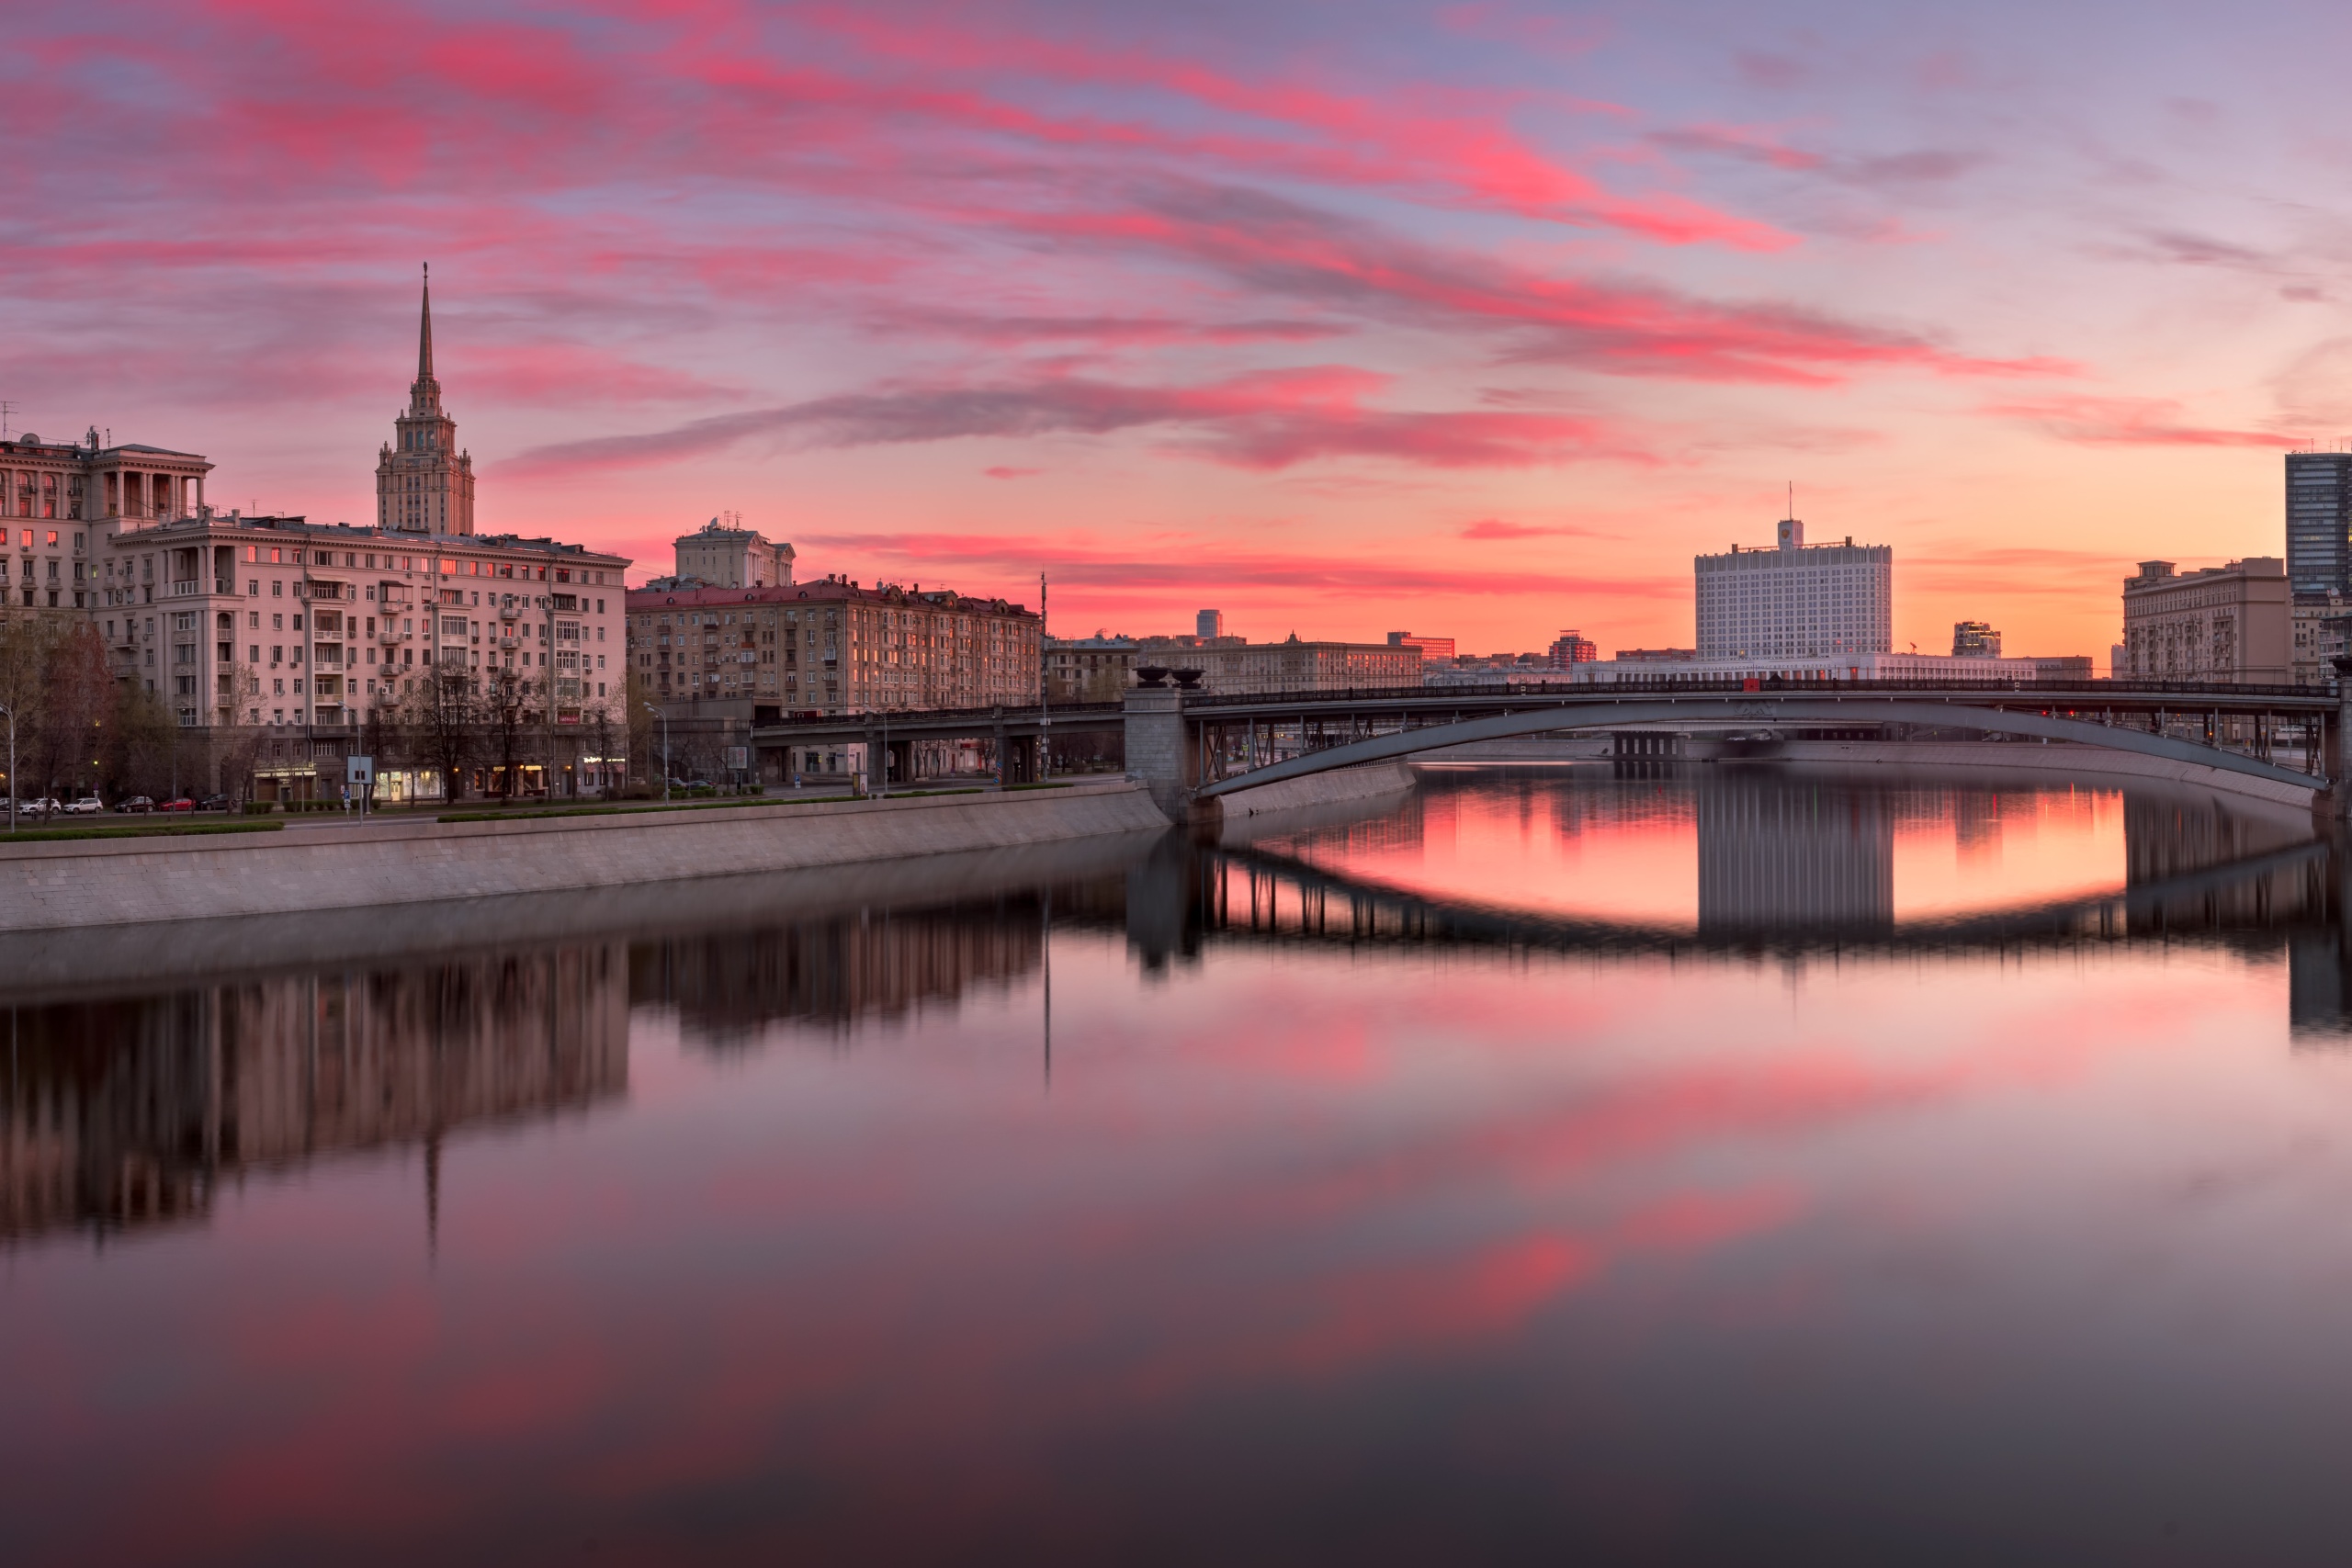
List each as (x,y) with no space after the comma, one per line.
(1266,420)
(1399,138)
(2128,422)
(1002,473)
(1495,528)
(1196,562)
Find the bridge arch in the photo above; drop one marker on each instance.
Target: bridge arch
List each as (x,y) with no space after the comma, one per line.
(1608,712)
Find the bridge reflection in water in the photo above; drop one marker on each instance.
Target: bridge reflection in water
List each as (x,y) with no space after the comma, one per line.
(133,1113)
(1790,866)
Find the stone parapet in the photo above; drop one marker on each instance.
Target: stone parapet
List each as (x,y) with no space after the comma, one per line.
(98,882)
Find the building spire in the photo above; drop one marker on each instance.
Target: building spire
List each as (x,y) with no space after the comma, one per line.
(425,331)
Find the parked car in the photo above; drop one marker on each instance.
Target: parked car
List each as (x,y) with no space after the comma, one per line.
(182,804)
(213,803)
(88,806)
(135,803)
(46,806)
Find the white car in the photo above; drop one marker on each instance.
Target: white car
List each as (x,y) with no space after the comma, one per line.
(88,806)
(46,806)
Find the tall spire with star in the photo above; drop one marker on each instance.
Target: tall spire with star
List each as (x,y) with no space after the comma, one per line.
(424,483)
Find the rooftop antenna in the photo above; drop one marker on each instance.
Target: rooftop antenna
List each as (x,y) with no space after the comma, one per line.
(5,410)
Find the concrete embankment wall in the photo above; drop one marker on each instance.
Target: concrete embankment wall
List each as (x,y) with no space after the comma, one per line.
(83,961)
(70,882)
(1931,756)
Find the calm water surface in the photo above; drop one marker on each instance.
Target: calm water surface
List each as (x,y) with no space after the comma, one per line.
(1732,1164)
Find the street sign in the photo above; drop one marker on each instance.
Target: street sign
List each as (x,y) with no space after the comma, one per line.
(738,757)
(359,770)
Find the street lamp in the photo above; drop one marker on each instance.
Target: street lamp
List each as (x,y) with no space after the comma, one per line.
(1045,713)
(664,716)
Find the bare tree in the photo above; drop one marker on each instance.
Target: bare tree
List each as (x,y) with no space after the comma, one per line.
(598,721)
(505,721)
(27,640)
(638,704)
(78,700)
(237,734)
(381,735)
(139,760)
(439,714)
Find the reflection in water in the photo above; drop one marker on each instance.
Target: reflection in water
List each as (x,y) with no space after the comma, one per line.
(1454,1174)
(880,963)
(125,1113)
(131,1114)
(1776,853)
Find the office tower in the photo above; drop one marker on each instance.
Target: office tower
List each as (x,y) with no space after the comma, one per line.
(1796,601)
(2319,522)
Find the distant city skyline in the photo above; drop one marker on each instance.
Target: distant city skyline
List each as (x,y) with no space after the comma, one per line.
(1470,318)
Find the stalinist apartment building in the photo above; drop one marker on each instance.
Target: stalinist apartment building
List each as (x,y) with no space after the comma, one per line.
(424,481)
(59,499)
(2232,623)
(281,622)
(830,646)
(307,628)
(1796,601)
(727,555)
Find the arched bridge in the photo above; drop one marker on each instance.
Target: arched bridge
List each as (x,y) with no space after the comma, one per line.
(1190,746)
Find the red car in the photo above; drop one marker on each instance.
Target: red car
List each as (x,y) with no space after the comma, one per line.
(182,804)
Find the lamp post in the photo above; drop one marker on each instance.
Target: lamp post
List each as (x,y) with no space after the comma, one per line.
(12,767)
(664,716)
(1044,717)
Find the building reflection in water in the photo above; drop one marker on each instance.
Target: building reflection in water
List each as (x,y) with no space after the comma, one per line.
(1778,851)
(123,1115)
(875,964)
(128,1113)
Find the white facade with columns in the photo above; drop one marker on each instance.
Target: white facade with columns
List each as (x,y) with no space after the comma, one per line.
(56,500)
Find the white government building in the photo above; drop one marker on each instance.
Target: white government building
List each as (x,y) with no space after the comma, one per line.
(1797,600)
(1799,612)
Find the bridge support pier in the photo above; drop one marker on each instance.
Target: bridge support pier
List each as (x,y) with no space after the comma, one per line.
(2335,800)
(1163,751)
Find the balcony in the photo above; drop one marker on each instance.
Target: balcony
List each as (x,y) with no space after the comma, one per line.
(509,612)
(393,634)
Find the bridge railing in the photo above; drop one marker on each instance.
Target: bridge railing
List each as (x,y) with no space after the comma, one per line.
(2065,692)
(1018,712)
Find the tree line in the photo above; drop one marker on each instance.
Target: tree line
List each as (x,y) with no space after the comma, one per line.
(82,730)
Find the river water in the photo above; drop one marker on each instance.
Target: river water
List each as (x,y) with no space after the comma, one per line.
(1735,1163)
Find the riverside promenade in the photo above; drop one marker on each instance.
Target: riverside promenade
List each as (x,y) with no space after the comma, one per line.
(65,883)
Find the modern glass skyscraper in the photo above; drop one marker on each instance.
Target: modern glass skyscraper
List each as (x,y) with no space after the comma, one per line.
(2319,522)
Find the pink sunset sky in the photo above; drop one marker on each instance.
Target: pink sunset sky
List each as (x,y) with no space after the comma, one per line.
(1472,319)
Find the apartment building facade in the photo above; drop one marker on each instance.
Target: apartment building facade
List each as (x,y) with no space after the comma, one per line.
(58,499)
(830,647)
(1263,669)
(725,554)
(1097,669)
(2231,622)
(306,630)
